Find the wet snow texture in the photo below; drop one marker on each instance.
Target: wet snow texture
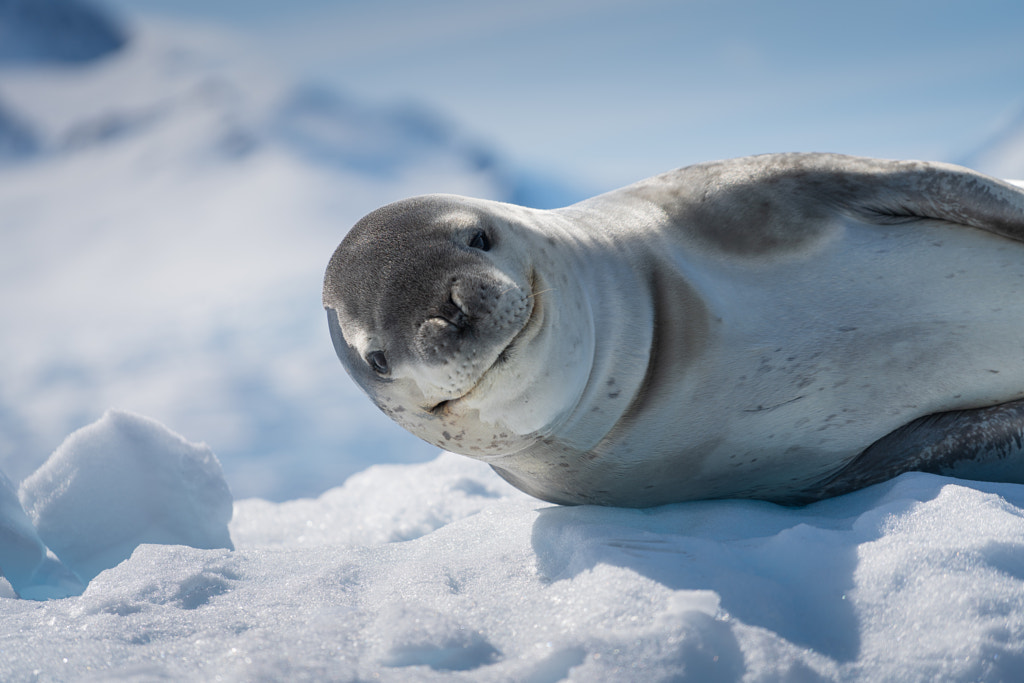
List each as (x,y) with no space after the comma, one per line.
(441,571)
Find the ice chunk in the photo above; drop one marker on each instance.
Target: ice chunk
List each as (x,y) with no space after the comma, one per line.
(24,561)
(123,481)
(21,551)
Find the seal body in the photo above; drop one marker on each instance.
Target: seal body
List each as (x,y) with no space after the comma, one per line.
(761,327)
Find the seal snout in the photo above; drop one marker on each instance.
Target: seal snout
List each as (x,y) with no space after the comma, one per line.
(479,312)
(465,333)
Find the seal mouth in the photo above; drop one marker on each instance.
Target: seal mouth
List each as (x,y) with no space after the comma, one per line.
(532,321)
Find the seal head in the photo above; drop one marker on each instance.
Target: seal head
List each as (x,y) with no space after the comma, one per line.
(431,301)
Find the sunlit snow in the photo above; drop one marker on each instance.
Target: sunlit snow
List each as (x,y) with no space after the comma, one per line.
(441,571)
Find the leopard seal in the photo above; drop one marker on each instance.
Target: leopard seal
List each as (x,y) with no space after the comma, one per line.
(784,327)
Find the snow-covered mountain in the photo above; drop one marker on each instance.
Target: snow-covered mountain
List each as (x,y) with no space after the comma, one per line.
(17,141)
(33,31)
(172,74)
(167,212)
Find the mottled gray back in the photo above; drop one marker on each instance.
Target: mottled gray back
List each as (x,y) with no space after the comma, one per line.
(778,202)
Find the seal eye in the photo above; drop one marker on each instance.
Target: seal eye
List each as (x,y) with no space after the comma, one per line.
(480,241)
(378,361)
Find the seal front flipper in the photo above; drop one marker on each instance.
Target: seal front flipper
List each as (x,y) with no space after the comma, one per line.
(984,444)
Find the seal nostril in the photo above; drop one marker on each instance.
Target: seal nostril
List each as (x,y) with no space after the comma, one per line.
(453,314)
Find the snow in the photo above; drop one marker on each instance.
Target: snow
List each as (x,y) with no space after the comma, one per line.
(441,571)
(122,481)
(164,236)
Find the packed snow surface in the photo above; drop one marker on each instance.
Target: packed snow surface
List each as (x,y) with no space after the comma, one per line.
(441,571)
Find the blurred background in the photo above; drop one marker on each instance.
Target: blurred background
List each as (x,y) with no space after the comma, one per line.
(605,92)
(174,174)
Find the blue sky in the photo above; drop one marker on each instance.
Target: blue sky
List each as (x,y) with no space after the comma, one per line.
(604,92)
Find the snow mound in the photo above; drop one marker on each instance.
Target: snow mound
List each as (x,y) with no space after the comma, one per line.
(327,127)
(55,31)
(443,572)
(123,481)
